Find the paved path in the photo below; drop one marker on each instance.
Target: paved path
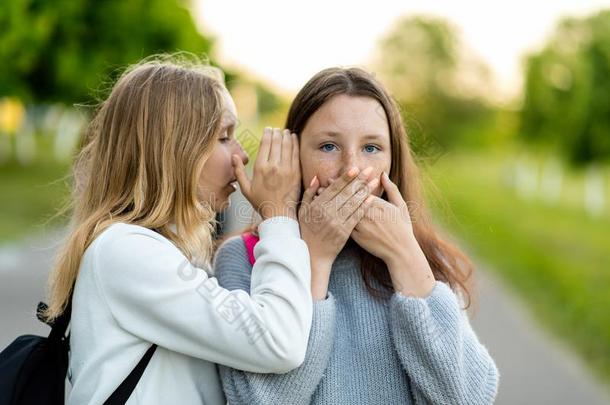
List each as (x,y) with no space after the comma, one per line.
(534,367)
(23,273)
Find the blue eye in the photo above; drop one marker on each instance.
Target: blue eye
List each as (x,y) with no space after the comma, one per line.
(371,149)
(325,147)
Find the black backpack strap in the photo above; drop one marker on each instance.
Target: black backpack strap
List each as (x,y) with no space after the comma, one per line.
(123,392)
(59,327)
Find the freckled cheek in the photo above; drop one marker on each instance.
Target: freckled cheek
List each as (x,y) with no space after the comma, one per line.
(379,166)
(323,166)
(228,165)
(217,171)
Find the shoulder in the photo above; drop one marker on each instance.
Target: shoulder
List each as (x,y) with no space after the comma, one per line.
(230,254)
(125,246)
(231,264)
(128,234)
(233,245)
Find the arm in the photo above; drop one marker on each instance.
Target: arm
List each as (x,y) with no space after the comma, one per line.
(152,292)
(296,387)
(440,351)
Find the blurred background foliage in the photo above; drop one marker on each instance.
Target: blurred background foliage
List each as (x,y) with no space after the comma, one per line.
(522,184)
(440,86)
(567,91)
(61,50)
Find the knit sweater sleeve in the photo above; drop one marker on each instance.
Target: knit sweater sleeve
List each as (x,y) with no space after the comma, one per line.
(297,386)
(440,352)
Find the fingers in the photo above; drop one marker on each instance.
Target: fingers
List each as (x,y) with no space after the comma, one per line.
(392,190)
(356,216)
(352,188)
(286,155)
(240,174)
(340,184)
(310,192)
(296,159)
(265,146)
(357,199)
(275,154)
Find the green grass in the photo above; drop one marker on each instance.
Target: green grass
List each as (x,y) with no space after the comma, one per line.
(555,256)
(29,197)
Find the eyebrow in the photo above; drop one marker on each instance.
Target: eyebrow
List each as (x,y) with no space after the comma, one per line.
(336,134)
(231,122)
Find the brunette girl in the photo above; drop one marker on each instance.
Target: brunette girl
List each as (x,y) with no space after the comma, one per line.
(388,321)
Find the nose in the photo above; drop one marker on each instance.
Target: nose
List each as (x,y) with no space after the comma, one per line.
(351,159)
(243,155)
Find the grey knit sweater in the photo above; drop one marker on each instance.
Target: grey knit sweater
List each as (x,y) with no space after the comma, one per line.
(364,350)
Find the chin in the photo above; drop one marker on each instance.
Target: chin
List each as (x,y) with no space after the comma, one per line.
(218,205)
(223,204)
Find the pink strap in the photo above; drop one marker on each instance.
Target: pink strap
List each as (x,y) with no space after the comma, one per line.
(250,241)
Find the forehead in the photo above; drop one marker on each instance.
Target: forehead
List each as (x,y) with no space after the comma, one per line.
(356,115)
(229,111)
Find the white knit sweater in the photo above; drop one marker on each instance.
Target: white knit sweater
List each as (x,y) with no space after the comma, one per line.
(136,288)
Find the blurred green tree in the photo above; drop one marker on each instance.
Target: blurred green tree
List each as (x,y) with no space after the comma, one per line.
(62,50)
(439,84)
(567,90)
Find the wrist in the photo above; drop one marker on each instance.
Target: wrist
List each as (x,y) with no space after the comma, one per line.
(320,266)
(320,277)
(413,278)
(267,212)
(319,288)
(406,252)
(319,293)
(421,289)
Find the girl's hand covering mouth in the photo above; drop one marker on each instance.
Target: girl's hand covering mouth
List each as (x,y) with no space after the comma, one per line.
(328,220)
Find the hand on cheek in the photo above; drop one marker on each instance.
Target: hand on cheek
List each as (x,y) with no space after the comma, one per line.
(327,222)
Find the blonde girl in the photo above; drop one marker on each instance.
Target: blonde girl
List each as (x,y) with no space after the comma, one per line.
(156,168)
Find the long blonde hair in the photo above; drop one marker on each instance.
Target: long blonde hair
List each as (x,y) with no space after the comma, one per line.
(144,151)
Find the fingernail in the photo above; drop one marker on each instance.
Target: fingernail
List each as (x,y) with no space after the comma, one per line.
(313,181)
(353,171)
(366,172)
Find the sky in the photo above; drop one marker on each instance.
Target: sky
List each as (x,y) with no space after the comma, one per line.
(285,42)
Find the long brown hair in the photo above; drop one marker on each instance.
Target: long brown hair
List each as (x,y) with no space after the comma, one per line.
(144,151)
(447,262)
